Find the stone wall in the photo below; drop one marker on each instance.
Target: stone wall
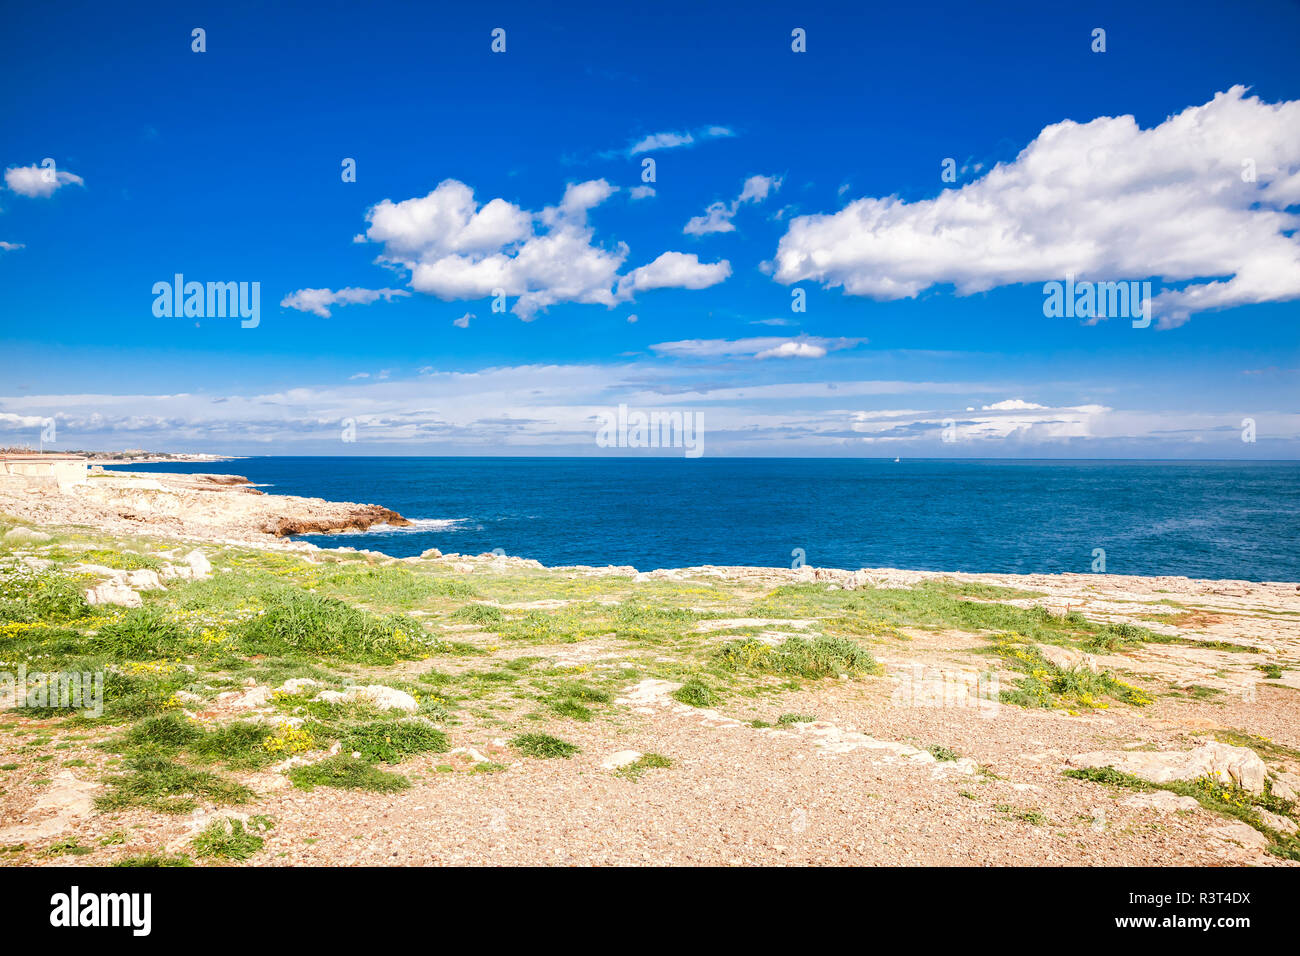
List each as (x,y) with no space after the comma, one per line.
(43,471)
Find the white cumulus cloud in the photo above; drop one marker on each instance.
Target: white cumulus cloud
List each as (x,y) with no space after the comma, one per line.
(456,249)
(38,182)
(1199,201)
(682,270)
(717,217)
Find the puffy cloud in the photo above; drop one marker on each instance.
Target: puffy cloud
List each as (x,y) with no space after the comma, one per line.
(39,182)
(578,198)
(455,249)
(717,218)
(446,222)
(675,270)
(641,192)
(11,246)
(761,347)
(463,321)
(319,301)
(756,188)
(1201,196)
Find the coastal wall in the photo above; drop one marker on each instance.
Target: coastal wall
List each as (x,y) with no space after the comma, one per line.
(51,471)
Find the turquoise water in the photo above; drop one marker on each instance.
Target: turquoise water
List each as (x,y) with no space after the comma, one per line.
(1201,519)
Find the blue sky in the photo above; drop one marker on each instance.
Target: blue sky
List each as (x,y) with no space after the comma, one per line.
(921,309)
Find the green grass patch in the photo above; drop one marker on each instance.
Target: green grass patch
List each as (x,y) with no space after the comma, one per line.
(634,770)
(240,745)
(119,560)
(226,839)
(785,719)
(69,847)
(697,693)
(299,624)
(1046,685)
(162,783)
(798,657)
(28,596)
(349,773)
(483,615)
(142,634)
(155,860)
(543,746)
(1233,802)
(392,741)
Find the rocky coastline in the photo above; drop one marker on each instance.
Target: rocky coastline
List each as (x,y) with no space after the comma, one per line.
(192,506)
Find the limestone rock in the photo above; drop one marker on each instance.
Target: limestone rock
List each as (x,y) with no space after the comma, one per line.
(1276,822)
(1068,659)
(60,804)
(144,580)
(1161,800)
(1286,786)
(620,759)
(1220,762)
(200,566)
(295,685)
(858,579)
(249,699)
(385,698)
(111,592)
(1242,833)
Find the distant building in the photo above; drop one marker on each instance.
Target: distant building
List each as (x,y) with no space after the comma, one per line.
(51,471)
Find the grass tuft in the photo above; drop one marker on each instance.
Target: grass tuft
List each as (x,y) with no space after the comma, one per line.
(299,624)
(392,741)
(697,693)
(349,773)
(226,839)
(543,745)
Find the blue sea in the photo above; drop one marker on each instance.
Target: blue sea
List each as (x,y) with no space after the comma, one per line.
(1200,519)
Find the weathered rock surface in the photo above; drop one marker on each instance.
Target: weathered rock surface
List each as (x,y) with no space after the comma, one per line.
(296,685)
(1223,763)
(199,565)
(113,592)
(1286,786)
(1160,800)
(1242,833)
(62,803)
(621,758)
(1275,822)
(385,698)
(1068,659)
(200,506)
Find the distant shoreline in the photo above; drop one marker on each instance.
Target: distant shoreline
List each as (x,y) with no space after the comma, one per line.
(159,459)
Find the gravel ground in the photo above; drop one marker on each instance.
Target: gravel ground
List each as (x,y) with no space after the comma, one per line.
(849,788)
